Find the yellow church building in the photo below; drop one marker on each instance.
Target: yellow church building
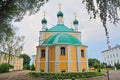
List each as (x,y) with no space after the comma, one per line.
(60,48)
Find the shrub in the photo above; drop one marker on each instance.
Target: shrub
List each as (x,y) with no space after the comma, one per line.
(117,66)
(10,66)
(32,68)
(26,67)
(4,67)
(62,76)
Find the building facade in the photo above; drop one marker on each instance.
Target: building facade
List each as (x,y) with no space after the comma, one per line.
(60,48)
(16,61)
(111,55)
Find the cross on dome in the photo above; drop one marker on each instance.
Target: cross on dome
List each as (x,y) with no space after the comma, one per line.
(75,15)
(44,13)
(59,6)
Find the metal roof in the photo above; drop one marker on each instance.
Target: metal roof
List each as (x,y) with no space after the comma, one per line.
(61,38)
(60,28)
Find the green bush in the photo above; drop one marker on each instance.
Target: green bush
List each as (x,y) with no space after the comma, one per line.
(26,67)
(10,66)
(117,66)
(32,68)
(63,76)
(4,67)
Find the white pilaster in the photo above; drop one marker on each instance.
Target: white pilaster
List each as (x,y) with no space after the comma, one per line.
(69,60)
(46,59)
(78,59)
(38,60)
(56,59)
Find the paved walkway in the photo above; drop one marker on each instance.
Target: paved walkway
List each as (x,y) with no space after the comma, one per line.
(21,75)
(115,75)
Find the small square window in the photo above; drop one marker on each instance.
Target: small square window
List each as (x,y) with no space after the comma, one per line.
(42,53)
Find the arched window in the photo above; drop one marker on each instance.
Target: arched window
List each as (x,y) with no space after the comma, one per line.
(42,53)
(82,53)
(62,50)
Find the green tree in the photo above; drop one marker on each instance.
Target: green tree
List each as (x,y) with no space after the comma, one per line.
(12,45)
(117,66)
(93,62)
(14,10)
(106,10)
(26,59)
(32,68)
(4,67)
(26,67)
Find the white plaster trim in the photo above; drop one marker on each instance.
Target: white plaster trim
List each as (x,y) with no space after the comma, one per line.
(46,59)
(69,59)
(78,59)
(56,59)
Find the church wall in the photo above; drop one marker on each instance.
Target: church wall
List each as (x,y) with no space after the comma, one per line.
(63,59)
(51,58)
(73,58)
(42,60)
(83,59)
(63,66)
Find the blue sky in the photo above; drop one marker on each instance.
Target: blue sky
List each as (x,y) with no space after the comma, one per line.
(93,34)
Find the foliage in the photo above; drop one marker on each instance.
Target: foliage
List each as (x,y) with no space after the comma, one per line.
(26,67)
(105,9)
(109,66)
(10,66)
(32,68)
(63,76)
(12,45)
(14,10)
(4,67)
(93,62)
(117,66)
(26,59)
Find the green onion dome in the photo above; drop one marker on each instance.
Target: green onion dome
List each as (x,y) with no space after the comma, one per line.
(60,14)
(44,21)
(75,21)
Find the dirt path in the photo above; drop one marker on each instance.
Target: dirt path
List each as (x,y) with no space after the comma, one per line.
(15,75)
(21,75)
